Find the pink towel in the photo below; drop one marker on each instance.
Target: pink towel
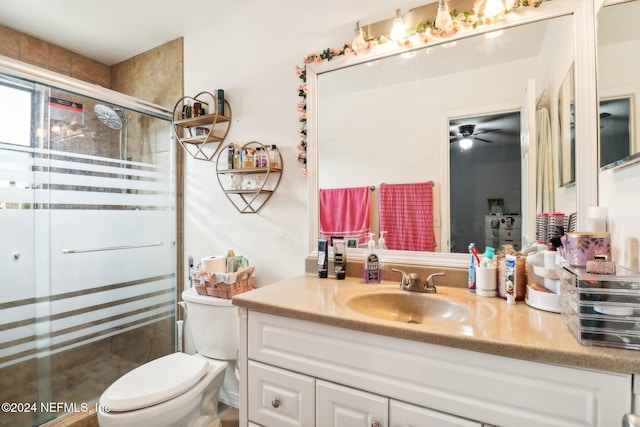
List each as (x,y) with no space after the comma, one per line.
(345,212)
(406,214)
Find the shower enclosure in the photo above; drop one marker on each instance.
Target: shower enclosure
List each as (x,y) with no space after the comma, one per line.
(87,242)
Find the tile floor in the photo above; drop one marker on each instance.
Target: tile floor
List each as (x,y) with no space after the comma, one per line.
(84,383)
(228,415)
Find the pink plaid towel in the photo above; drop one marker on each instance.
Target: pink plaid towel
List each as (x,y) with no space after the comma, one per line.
(406,214)
(345,212)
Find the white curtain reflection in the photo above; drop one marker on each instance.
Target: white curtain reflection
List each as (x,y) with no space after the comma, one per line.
(545,185)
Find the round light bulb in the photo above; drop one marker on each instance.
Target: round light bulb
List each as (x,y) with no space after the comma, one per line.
(493,8)
(398,32)
(466,143)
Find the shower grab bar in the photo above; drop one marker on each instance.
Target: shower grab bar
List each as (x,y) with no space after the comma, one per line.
(109,248)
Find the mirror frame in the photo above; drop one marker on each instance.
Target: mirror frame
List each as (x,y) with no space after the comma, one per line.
(633,157)
(587,168)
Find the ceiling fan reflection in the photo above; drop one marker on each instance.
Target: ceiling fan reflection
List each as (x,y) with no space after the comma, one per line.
(467,135)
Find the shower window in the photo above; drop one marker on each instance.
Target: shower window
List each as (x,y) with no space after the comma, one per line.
(87,246)
(15,114)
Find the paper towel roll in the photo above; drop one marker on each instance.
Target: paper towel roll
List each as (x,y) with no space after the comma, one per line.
(597,218)
(215,263)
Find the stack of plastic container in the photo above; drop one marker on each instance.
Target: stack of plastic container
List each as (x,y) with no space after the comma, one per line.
(602,310)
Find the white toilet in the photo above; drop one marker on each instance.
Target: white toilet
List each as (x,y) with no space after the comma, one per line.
(179,389)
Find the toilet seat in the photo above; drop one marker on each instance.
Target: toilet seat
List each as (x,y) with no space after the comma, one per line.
(157,381)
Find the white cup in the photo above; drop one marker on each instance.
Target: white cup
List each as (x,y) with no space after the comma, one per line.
(486,281)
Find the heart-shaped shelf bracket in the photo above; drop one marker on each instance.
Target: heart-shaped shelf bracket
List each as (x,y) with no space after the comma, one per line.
(198,125)
(247,188)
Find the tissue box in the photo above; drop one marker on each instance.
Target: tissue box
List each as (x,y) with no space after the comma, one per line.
(599,309)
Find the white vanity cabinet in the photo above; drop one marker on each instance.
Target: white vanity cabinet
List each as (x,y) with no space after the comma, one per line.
(402,414)
(340,406)
(278,397)
(319,374)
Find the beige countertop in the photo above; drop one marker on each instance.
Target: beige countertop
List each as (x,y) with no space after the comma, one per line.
(498,328)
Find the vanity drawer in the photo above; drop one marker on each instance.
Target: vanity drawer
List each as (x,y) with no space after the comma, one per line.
(279,397)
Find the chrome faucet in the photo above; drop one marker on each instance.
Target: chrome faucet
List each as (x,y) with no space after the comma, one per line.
(412,282)
(431,282)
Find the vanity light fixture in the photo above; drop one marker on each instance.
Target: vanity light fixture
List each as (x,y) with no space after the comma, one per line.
(493,8)
(398,31)
(359,44)
(466,143)
(443,18)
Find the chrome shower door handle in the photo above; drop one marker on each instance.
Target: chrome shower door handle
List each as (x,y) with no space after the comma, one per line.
(631,420)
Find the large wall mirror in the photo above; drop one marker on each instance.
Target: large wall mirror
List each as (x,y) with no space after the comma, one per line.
(386,119)
(618,82)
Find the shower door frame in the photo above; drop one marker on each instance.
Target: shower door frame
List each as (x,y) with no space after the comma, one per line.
(38,75)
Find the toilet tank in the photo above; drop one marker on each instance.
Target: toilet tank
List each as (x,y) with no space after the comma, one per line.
(214,325)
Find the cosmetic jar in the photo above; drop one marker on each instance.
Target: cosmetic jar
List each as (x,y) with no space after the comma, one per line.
(584,246)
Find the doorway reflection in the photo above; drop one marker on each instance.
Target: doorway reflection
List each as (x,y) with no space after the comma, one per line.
(485,168)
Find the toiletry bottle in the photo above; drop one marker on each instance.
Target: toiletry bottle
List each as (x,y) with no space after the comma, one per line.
(323,258)
(371,244)
(381,242)
(371,263)
(340,258)
(264,158)
(230,157)
(237,157)
(274,157)
(220,101)
(257,157)
(471,283)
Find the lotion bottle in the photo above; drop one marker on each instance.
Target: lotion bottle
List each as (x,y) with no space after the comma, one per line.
(381,242)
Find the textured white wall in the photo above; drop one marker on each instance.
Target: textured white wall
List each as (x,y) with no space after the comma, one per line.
(251,51)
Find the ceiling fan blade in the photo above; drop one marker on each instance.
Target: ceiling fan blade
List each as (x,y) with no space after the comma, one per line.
(482,139)
(481,131)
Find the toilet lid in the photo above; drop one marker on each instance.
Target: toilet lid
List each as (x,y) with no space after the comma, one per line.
(154,382)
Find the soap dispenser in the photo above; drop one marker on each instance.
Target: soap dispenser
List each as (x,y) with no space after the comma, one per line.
(382,244)
(371,270)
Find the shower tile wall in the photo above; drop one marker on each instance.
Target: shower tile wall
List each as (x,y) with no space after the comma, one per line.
(155,75)
(34,51)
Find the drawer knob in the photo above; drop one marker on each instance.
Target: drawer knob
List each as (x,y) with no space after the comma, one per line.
(376,424)
(275,402)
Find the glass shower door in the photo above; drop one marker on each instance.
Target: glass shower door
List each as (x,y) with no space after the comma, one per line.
(91,293)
